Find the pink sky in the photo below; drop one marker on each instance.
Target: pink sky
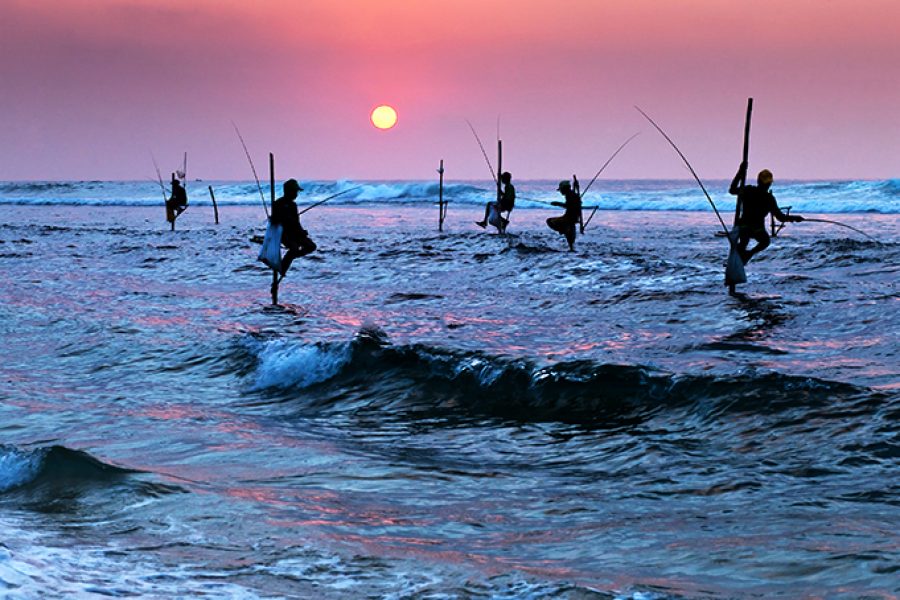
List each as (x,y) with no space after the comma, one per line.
(91,87)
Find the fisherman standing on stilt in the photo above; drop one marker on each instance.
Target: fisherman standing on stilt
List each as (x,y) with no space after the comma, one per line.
(506,203)
(756,202)
(567,223)
(293,237)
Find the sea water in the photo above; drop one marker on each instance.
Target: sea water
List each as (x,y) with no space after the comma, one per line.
(451,414)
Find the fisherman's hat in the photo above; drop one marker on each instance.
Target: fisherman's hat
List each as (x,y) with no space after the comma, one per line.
(292,183)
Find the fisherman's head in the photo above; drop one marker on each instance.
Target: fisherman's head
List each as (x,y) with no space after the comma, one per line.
(564,187)
(764,179)
(291,188)
(506,177)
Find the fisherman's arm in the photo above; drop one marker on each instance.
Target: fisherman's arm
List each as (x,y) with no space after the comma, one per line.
(735,188)
(776,212)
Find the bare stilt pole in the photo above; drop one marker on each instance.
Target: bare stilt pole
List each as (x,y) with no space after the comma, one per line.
(215,207)
(441,212)
(272,200)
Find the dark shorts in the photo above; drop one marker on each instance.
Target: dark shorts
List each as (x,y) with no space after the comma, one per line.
(561,224)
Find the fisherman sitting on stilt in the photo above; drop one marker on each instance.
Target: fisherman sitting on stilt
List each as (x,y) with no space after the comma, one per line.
(756,203)
(177,203)
(567,223)
(505,203)
(293,237)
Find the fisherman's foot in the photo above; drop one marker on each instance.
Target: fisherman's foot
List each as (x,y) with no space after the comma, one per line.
(481,224)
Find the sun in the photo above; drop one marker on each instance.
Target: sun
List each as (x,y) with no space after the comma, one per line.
(384,117)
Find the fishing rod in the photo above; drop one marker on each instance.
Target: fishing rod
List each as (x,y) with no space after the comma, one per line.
(694,173)
(309,208)
(619,149)
(526,199)
(483,152)
(184,177)
(160,179)
(252,168)
(842,225)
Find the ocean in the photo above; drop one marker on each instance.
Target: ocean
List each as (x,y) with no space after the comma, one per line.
(453,414)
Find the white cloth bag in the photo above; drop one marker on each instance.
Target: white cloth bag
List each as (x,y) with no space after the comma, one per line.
(270,252)
(734,268)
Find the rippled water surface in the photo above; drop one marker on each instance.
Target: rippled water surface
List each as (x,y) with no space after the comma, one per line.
(445,415)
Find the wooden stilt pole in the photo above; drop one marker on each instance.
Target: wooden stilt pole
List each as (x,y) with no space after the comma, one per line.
(732,287)
(500,178)
(499,168)
(441,212)
(745,159)
(272,200)
(174,215)
(215,207)
(272,178)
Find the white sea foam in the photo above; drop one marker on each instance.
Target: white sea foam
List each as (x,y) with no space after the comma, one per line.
(18,467)
(284,364)
(30,567)
(630,195)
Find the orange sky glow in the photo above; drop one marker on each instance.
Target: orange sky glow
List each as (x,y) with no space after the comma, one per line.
(92,87)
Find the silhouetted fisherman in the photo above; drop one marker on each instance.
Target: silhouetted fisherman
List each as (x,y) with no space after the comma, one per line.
(506,203)
(177,203)
(293,236)
(756,203)
(567,223)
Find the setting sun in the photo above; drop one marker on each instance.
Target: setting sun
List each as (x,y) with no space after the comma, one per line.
(384,117)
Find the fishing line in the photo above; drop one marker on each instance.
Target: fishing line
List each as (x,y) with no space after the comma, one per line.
(252,168)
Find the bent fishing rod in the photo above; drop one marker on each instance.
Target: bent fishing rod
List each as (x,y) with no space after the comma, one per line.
(805,219)
(483,152)
(694,173)
(619,149)
(252,168)
(309,208)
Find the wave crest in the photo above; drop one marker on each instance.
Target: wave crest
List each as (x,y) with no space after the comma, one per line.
(53,464)
(419,378)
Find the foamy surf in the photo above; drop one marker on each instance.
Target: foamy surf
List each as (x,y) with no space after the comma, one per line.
(287,364)
(864,196)
(18,467)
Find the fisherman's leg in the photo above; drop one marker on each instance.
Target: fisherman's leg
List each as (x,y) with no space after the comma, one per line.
(296,249)
(487,213)
(743,240)
(305,245)
(274,288)
(762,242)
(289,256)
(570,237)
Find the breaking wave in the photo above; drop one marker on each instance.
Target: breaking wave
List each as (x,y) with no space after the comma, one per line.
(54,464)
(856,196)
(416,378)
